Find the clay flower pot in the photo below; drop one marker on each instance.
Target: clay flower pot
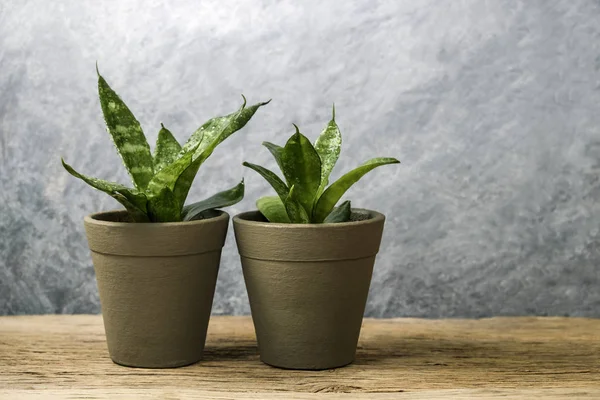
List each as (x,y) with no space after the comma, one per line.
(308,286)
(156,284)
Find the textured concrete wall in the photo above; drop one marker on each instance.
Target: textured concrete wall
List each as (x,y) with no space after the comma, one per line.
(492,106)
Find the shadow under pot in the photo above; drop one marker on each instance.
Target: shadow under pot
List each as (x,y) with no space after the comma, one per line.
(308,286)
(156,283)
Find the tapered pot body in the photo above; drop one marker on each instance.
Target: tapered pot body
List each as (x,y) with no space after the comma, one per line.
(156,283)
(308,286)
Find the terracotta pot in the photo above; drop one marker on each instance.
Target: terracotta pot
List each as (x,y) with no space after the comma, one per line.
(156,284)
(308,286)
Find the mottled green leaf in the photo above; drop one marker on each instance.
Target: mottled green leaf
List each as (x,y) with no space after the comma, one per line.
(167,149)
(328,146)
(222,199)
(133,200)
(127,135)
(341,213)
(302,169)
(276,151)
(274,180)
(295,210)
(168,176)
(211,133)
(163,207)
(334,192)
(135,213)
(273,209)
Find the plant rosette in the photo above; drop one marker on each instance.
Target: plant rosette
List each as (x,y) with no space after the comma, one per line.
(157,261)
(308,264)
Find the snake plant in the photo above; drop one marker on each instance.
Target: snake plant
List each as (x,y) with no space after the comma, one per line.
(304,196)
(162,180)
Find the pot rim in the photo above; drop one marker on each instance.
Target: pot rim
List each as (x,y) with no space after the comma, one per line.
(375,217)
(92,219)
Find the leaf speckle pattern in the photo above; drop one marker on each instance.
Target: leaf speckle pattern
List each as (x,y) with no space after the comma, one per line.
(162,181)
(306,169)
(127,135)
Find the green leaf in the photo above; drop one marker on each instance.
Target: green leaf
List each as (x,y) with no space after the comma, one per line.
(211,134)
(276,151)
(328,146)
(168,176)
(127,135)
(219,200)
(217,129)
(133,200)
(334,192)
(275,181)
(341,213)
(273,209)
(302,169)
(295,211)
(167,149)
(163,207)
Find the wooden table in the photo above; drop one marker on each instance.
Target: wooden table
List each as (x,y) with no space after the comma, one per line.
(58,357)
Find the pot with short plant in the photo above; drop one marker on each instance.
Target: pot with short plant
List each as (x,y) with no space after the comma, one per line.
(307,264)
(156,262)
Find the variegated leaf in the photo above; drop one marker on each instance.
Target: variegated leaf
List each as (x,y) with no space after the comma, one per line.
(276,151)
(273,209)
(212,134)
(275,181)
(328,146)
(167,149)
(133,200)
(337,189)
(295,210)
(127,135)
(302,169)
(163,207)
(168,175)
(341,213)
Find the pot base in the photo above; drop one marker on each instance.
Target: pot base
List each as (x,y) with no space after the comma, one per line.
(305,367)
(158,366)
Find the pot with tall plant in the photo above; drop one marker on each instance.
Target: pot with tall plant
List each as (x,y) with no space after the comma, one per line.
(307,264)
(156,262)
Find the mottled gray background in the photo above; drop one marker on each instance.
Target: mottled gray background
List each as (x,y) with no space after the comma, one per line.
(492,106)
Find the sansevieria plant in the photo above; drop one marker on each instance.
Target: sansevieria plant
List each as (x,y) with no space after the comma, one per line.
(304,197)
(162,180)
(306,271)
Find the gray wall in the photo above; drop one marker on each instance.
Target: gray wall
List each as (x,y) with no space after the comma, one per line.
(492,106)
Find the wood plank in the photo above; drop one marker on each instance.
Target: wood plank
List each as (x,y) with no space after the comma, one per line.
(66,357)
(144,394)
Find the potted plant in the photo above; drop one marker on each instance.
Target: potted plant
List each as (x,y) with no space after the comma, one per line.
(308,264)
(156,262)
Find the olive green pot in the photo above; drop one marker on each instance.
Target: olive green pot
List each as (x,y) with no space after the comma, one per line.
(308,286)
(156,283)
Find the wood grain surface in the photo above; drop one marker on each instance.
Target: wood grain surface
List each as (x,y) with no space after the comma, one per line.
(60,357)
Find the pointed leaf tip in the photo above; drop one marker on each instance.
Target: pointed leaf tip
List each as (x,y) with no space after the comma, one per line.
(333,193)
(97,70)
(245,101)
(333,112)
(297,129)
(342,213)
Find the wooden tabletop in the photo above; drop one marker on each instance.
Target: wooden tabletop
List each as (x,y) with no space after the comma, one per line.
(58,357)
